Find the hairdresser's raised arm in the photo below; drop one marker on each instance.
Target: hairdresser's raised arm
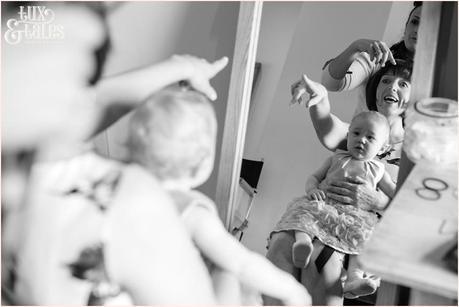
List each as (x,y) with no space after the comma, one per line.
(120,93)
(355,64)
(330,130)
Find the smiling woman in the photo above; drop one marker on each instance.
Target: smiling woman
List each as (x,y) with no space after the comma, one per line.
(364,57)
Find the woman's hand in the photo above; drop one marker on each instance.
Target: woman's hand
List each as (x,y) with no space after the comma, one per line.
(378,50)
(297,90)
(317,92)
(200,71)
(355,191)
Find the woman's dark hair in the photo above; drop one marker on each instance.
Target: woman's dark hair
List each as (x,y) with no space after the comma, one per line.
(403,69)
(399,50)
(416,4)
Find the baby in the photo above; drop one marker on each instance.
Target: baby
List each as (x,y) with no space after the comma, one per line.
(173,135)
(345,228)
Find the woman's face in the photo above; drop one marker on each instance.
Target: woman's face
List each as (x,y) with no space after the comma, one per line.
(410,36)
(392,95)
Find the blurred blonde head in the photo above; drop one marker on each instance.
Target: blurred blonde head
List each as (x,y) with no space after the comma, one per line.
(368,135)
(173,135)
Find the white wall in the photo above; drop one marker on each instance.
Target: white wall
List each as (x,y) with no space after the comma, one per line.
(148,32)
(283,135)
(278,23)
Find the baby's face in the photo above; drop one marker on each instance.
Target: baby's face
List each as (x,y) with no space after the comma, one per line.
(366,138)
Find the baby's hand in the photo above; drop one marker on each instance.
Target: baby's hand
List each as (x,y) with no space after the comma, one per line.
(316,194)
(200,71)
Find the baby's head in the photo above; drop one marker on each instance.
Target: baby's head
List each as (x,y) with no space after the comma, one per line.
(368,135)
(173,135)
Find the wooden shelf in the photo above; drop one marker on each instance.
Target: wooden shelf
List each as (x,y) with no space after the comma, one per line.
(409,243)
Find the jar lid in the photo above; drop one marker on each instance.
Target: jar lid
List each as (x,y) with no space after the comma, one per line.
(437,107)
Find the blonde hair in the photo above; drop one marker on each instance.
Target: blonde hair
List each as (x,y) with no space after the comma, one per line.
(173,134)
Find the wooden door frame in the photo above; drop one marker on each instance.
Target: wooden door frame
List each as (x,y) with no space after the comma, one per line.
(237,110)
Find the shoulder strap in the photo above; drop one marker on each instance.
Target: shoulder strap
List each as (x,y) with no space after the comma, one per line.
(323,257)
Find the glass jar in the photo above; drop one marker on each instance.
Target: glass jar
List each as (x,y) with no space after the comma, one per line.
(431,131)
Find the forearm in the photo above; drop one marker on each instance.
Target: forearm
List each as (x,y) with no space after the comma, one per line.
(321,117)
(119,94)
(330,130)
(339,66)
(132,87)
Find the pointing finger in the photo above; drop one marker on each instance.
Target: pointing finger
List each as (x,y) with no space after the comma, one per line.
(218,65)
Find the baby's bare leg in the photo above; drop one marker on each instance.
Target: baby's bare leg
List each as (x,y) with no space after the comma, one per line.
(359,283)
(302,249)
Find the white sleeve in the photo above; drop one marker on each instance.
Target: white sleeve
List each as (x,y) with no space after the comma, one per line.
(358,73)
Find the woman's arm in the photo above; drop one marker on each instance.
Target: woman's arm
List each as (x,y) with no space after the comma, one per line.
(121,93)
(355,64)
(212,239)
(330,130)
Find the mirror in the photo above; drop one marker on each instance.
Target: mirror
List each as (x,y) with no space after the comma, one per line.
(297,38)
